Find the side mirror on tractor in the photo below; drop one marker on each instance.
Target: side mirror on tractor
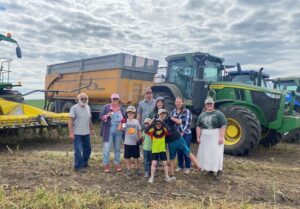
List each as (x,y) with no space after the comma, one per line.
(18,52)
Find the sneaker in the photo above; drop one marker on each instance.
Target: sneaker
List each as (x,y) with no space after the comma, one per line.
(138,172)
(187,171)
(118,167)
(173,178)
(204,173)
(106,168)
(178,169)
(80,170)
(168,179)
(147,175)
(151,180)
(128,172)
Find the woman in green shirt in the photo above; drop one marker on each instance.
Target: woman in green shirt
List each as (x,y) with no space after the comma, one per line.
(211,126)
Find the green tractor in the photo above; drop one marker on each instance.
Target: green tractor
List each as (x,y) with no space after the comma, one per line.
(255,114)
(262,79)
(290,84)
(6,86)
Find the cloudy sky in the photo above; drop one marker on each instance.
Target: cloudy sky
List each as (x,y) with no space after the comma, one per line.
(256,33)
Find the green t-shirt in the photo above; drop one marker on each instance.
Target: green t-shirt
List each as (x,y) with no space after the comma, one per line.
(211,120)
(147,142)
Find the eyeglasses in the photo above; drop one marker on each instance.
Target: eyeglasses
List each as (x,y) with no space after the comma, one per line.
(83,99)
(115,99)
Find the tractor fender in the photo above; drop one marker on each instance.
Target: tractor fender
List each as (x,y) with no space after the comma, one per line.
(253,108)
(167,87)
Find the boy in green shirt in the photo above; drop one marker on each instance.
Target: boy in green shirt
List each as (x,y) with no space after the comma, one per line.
(147,147)
(157,131)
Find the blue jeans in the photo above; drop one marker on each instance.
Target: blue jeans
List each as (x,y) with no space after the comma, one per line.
(183,158)
(176,145)
(115,139)
(147,160)
(82,150)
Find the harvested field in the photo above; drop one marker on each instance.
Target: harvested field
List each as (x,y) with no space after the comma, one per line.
(40,175)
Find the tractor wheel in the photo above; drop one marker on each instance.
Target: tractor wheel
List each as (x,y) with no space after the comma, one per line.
(292,136)
(52,107)
(271,138)
(169,99)
(243,130)
(67,106)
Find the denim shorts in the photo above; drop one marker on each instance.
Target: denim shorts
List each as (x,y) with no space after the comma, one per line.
(179,144)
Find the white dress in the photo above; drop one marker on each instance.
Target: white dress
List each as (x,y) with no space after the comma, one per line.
(210,153)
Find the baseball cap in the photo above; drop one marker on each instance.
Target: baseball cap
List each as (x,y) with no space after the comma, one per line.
(115,95)
(160,99)
(209,100)
(130,109)
(158,121)
(162,111)
(148,120)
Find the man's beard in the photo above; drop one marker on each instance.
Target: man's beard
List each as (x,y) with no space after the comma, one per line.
(83,103)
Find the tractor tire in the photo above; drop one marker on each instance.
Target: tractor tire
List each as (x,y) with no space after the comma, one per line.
(243,130)
(292,136)
(169,99)
(271,139)
(67,106)
(52,107)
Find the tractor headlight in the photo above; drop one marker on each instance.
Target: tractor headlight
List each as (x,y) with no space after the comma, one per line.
(274,96)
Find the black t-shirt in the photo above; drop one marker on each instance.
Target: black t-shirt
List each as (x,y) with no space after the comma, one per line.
(172,129)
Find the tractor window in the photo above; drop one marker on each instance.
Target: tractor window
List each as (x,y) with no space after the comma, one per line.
(211,71)
(242,79)
(182,74)
(288,85)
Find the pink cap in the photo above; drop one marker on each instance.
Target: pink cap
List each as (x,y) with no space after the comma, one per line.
(115,95)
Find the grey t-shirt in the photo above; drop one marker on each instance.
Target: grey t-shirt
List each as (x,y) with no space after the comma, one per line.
(82,117)
(131,131)
(145,108)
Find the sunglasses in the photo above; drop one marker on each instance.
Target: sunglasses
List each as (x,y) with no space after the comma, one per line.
(149,92)
(209,104)
(115,99)
(83,99)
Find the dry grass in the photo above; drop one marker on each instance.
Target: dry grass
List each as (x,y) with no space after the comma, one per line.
(40,175)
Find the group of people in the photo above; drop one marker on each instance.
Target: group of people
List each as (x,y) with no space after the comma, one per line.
(156,130)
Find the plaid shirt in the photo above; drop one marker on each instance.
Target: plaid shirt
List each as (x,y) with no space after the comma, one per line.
(186,118)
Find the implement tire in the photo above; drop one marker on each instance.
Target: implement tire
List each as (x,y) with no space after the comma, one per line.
(292,137)
(271,139)
(67,106)
(243,130)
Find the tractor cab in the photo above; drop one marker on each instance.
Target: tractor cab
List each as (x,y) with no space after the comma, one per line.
(184,69)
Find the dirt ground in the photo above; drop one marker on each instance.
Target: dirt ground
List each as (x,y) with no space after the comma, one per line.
(267,178)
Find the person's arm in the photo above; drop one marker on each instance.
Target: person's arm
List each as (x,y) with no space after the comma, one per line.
(188,122)
(198,132)
(92,132)
(105,113)
(70,126)
(176,120)
(139,114)
(222,134)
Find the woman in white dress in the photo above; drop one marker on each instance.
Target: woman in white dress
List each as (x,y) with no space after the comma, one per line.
(211,126)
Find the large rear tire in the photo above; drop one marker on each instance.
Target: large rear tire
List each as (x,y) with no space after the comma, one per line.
(67,106)
(243,130)
(270,139)
(292,136)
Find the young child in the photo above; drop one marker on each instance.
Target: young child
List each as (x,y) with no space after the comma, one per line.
(158,132)
(147,147)
(132,130)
